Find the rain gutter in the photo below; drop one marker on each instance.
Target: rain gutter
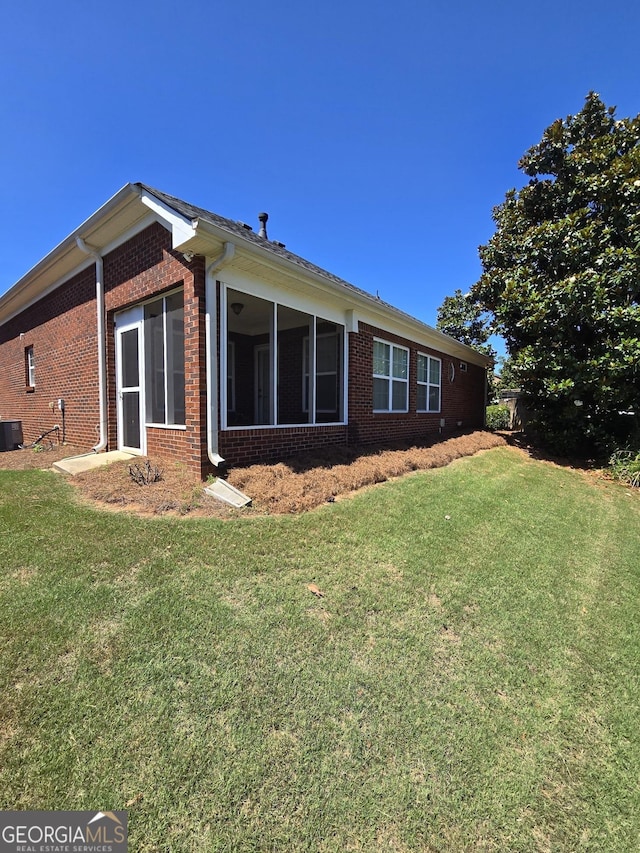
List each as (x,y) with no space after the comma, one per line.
(211,353)
(102,358)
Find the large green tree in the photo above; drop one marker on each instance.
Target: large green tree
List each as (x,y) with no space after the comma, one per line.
(561,276)
(462,318)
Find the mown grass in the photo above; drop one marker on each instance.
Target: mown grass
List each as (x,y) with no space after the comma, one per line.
(469,681)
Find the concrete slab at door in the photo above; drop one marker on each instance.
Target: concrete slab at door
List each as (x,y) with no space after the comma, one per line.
(78,464)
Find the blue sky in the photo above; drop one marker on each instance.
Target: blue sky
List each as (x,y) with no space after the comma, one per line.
(378,135)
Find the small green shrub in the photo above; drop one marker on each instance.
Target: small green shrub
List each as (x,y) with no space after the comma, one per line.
(625,466)
(498,417)
(42,446)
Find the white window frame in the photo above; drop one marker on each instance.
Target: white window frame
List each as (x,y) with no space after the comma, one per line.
(429,384)
(306,359)
(31,367)
(167,351)
(264,292)
(390,378)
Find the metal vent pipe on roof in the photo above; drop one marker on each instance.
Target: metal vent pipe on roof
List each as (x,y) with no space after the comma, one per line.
(262,218)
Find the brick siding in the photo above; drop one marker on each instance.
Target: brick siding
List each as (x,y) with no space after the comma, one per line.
(142,268)
(248,446)
(61,328)
(462,401)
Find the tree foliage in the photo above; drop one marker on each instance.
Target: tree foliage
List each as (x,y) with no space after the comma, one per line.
(508,379)
(561,276)
(460,317)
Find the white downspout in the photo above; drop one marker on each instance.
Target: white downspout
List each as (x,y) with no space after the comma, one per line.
(211,352)
(102,358)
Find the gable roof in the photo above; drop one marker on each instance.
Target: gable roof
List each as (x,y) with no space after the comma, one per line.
(194,228)
(246,233)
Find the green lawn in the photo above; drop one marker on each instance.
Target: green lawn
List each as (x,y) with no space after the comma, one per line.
(468,682)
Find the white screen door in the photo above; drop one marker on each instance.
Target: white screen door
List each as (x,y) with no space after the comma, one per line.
(130,384)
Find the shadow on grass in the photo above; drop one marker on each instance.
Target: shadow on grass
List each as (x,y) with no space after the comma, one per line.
(528,445)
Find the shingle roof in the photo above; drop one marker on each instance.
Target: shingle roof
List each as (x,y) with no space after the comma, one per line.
(64,258)
(238,229)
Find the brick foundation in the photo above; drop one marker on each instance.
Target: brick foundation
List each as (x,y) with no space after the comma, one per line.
(249,446)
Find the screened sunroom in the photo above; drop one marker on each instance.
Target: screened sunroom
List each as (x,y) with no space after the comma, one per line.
(283,366)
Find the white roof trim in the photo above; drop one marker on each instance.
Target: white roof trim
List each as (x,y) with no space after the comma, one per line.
(182,229)
(88,262)
(66,260)
(370,309)
(131,232)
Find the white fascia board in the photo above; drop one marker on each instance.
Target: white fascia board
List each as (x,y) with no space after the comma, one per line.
(368,308)
(182,228)
(24,306)
(339,294)
(33,284)
(397,322)
(85,262)
(309,302)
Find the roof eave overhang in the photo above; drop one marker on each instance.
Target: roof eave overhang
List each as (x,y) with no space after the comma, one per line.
(208,239)
(129,209)
(183,229)
(118,214)
(131,206)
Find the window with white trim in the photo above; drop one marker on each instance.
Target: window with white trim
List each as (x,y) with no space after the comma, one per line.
(429,375)
(390,377)
(328,349)
(164,360)
(289,365)
(30,365)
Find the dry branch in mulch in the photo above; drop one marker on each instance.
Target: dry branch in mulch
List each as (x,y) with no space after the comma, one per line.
(178,492)
(294,486)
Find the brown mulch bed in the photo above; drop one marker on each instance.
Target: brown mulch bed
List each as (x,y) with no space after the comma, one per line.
(304,483)
(295,485)
(27,459)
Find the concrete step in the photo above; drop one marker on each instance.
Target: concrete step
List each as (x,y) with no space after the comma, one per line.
(87,461)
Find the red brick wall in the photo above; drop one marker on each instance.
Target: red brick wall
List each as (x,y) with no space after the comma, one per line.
(61,327)
(139,269)
(462,401)
(248,446)
(167,443)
